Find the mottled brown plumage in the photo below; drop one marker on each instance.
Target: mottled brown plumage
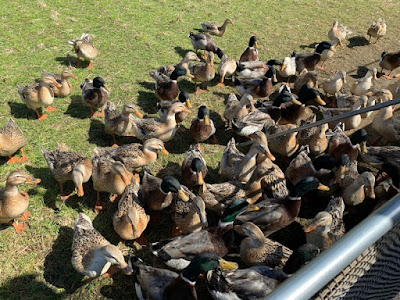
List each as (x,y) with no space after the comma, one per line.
(11,140)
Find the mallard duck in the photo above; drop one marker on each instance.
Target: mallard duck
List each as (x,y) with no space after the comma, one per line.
(66,87)
(84,48)
(362,86)
(109,176)
(177,252)
(167,87)
(194,167)
(301,256)
(390,61)
(327,226)
(354,193)
(202,41)
(92,254)
(347,100)
(252,69)
(300,167)
(164,106)
(202,126)
(252,122)
(340,143)
(328,53)
(290,109)
(157,192)
(226,67)
(203,72)
(258,88)
(251,52)
(288,68)
(354,121)
(394,88)
(235,109)
(214,29)
(276,214)
(310,96)
(39,95)
(338,32)
(135,155)
(14,203)
(157,284)
(310,61)
(335,84)
(318,142)
(305,77)
(163,129)
(130,220)
(377,30)
(235,165)
(169,69)
(285,145)
(331,171)
(256,249)
(95,94)
(11,140)
(65,165)
(117,122)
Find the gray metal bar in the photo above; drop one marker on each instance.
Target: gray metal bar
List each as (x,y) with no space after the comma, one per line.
(314,276)
(337,118)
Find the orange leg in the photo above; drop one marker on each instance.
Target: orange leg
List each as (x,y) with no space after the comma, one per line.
(40,117)
(18,227)
(23,157)
(221,82)
(142,240)
(12,160)
(115,145)
(63,195)
(50,108)
(176,231)
(100,114)
(214,140)
(99,204)
(90,66)
(25,216)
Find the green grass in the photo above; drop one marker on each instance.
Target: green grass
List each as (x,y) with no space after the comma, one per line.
(132,37)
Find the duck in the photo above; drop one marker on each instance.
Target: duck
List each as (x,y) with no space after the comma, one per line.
(257,250)
(258,88)
(355,121)
(169,69)
(301,256)
(226,67)
(95,94)
(327,226)
(237,109)
(66,87)
(344,100)
(215,29)
(11,140)
(14,203)
(354,193)
(92,254)
(135,155)
(310,61)
(340,143)
(390,61)
(377,30)
(335,84)
(328,53)
(163,129)
(194,167)
(300,167)
(130,219)
(39,95)
(394,88)
(156,283)
(285,145)
(305,77)
(331,171)
(203,41)
(109,176)
(288,68)
(363,86)
(377,155)
(235,165)
(118,122)
(177,252)
(252,69)
(203,72)
(167,86)
(84,49)
(66,165)
(251,52)
(164,106)
(202,126)
(318,142)
(291,110)
(252,122)
(275,214)
(310,96)
(157,193)
(338,33)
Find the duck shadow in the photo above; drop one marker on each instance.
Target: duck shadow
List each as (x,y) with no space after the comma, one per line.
(24,285)
(68,60)
(147,101)
(58,270)
(220,132)
(147,85)
(123,287)
(76,109)
(225,96)
(182,52)
(312,46)
(357,41)
(97,134)
(20,111)
(103,221)
(361,71)
(291,236)
(171,169)
(181,141)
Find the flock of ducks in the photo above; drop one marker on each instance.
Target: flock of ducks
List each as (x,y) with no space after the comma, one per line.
(261,191)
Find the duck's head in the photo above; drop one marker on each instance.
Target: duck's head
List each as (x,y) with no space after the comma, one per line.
(306,185)
(323,218)
(155,145)
(285,97)
(171,185)
(210,58)
(271,73)
(325,45)
(120,169)
(253,41)
(184,98)
(68,74)
(114,256)
(130,108)
(341,165)
(310,96)
(228,21)
(251,230)
(204,114)
(369,182)
(99,82)
(300,257)
(178,107)
(50,81)
(19,177)
(360,138)
(220,53)
(197,167)
(234,208)
(179,71)
(200,208)
(263,149)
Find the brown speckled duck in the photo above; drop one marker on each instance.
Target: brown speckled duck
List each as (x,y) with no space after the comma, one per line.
(66,87)
(377,29)
(11,140)
(84,48)
(95,95)
(215,29)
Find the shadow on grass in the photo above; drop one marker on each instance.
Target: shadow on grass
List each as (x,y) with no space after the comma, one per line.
(58,270)
(20,111)
(171,169)
(97,134)
(76,109)
(182,52)
(103,221)
(357,41)
(27,287)
(312,46)
(147,101)
(68,60)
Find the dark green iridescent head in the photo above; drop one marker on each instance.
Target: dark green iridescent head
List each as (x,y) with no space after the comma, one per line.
(170,184)
(306,185)
(233,209)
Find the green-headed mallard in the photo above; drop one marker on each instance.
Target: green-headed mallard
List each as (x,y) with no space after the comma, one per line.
(167,86)
(92,254)
(305,77)
(11,140)
(290,110)
(202,126)
(66,87)
(215,29)
(310,61)
(84,48)
(14,203)
(310,96)
(194,167)
(377,29)
(251,52)
(95,95)
(258,88)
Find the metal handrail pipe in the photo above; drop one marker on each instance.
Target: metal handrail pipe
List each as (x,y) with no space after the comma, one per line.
(314,276)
